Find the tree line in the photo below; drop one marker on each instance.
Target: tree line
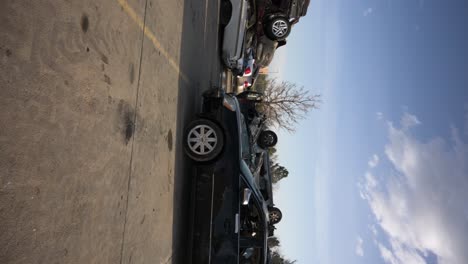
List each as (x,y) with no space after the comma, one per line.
(284,104)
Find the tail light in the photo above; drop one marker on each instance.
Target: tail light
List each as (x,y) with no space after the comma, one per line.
(248,70)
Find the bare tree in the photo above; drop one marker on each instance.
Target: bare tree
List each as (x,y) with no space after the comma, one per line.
(285,103)
(273,242)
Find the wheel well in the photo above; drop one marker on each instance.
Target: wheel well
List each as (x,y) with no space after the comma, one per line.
(275,15)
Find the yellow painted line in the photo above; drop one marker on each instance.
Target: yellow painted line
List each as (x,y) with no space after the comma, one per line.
(137,19)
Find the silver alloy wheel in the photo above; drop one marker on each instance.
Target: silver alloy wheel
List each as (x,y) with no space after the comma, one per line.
(274,216)
(280,28)
(202,139)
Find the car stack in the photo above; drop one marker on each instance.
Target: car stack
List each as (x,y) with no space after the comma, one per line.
(253,30)
(233,205)
(233,209)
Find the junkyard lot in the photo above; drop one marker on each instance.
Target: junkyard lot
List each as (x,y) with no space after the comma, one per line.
(93,98)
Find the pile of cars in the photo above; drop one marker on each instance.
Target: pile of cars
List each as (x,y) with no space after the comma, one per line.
(253,30)
(232,200)
(233,209)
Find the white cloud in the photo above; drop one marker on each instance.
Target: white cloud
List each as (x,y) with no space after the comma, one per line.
(399,255)
(374,161)
(379,115)
(408,121)
(368,11)
(359,249)
(422,208)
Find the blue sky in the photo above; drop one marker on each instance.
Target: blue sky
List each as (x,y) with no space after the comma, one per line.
(378,174)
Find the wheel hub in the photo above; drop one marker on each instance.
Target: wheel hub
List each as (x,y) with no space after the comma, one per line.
(280,28)
(202,139)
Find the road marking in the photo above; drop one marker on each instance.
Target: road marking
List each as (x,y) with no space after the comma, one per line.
(129,10)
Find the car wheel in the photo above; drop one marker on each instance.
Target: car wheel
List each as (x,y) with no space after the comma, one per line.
(275,215)
(267,139)
(225,12)
(203,140)
(278,28)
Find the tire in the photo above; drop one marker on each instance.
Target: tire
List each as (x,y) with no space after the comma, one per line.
(267,139)
(278,28)
(275,215)
(225,12)
(203,140)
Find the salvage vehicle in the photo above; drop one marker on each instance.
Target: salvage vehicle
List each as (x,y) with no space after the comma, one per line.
(278,16)
(251,72)
(264,181)
(266,49)
(230,216)
(234,16)
(257,126)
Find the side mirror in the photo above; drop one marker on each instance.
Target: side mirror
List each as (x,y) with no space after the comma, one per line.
(246,196)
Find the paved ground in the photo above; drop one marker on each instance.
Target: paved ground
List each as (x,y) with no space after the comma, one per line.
(93,99)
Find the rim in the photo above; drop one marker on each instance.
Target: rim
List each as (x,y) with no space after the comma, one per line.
(202,139)
(268,139)
(279,28)
(274,216)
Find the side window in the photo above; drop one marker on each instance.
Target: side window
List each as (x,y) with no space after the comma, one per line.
(245,139)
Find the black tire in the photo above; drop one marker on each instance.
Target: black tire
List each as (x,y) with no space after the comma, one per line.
(198,153)
(267,139)
(275,215)
(225,12)
(275,34)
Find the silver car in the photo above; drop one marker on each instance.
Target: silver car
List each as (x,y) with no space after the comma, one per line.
(234,34)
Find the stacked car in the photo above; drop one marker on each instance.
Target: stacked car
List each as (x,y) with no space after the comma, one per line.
(253,30)
(233,205)
(233,209)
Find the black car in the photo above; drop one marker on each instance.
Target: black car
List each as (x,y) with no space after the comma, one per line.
(230,216)
(277,16)
(264,182)
(256,121)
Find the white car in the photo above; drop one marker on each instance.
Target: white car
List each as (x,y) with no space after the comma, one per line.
(234,17)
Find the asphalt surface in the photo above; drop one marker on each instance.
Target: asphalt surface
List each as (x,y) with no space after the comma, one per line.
(94,96)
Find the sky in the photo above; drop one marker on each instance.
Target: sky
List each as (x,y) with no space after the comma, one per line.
(378,174)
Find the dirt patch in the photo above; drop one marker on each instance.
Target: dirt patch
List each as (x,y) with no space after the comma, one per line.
(169,140)
(104,59)
(126,121)
(84,23)
(107,79)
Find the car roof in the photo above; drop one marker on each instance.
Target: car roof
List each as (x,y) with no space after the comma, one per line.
(267,176)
